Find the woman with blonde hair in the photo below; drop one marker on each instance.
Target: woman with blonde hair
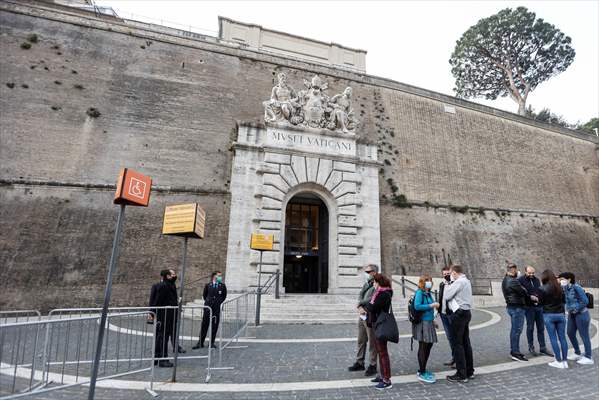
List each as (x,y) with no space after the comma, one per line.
(424,331)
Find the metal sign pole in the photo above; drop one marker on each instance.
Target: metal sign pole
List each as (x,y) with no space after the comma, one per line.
(259,292)
(178,324)
(112,267)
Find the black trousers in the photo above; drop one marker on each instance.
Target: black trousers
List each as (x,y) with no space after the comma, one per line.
(165,331)
(206,321)
(462,350)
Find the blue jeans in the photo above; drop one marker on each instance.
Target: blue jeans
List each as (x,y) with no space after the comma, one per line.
(556,329)
(534,316)
(517,317)
(447,329)
(580,322)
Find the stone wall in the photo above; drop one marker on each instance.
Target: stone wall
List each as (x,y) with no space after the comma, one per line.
(169,107)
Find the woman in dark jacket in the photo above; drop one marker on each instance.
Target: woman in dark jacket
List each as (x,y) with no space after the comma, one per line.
(381,302)
(552,299)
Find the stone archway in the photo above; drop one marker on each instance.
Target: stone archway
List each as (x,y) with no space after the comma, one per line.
(269,169)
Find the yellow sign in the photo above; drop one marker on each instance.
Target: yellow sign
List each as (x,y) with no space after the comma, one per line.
(184,220)
(260,241)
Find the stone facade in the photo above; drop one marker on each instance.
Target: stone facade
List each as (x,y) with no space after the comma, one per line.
(273,164)
(171,106)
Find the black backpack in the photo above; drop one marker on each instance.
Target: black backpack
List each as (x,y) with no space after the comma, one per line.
(591,300)
(414,315)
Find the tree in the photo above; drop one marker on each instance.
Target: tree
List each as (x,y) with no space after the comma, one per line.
(590,126)
(509,54)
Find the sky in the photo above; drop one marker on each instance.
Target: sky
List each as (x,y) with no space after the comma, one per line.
(407,41)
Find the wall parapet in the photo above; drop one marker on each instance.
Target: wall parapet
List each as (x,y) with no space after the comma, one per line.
(48,11)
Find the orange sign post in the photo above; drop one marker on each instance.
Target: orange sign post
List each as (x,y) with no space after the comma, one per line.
(188,221)
(132,189)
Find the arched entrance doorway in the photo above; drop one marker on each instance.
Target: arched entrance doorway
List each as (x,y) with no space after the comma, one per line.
(306,257)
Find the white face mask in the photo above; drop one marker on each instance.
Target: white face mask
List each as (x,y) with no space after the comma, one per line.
(428,284)
(564,282)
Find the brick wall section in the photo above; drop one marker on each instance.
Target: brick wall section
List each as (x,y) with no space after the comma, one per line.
(413,239)
(55,246)
(169,108)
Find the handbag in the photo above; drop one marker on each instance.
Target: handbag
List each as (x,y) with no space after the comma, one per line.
(385,327)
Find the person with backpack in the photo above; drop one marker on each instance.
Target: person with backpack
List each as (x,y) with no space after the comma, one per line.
(423,331)
(458,297)
(379,303)
(579,318)
(552,300)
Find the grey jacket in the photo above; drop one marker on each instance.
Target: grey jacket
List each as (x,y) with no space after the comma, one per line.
(459,290)
(366,293)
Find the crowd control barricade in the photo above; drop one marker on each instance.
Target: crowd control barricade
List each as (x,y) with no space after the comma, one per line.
(235,316)
(164,320)
(55,353)
(19,316)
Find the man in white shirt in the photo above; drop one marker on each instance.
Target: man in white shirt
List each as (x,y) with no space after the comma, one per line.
(458,297)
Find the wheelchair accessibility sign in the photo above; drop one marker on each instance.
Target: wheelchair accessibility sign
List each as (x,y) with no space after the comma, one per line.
(133,188)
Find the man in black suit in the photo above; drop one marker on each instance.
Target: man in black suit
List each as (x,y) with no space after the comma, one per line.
(165,294)
(215,293)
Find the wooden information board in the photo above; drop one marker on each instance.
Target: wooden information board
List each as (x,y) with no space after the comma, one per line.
(184,220)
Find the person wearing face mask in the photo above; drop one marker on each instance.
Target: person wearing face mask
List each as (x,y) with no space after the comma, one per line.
(458,297)
(424,331)
(365,333)
(579,318)
(533,312)
(515,298)
(552,299)
(166,318)
(445,311)
(215,293)
(379,303)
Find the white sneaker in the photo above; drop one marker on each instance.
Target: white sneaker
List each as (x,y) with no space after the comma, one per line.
(557,364)
(585,361)
(574,357)
(565,364)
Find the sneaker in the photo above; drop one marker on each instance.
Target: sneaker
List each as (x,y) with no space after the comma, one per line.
(585,361)
(518,357)
(471,376)
(456,378)
(574,357)
(557,364)
(565,364)
(429,377)
(532,351)
(356,367)
(382,385)
(547,353)
(376,379)
(421,377)
(370,371)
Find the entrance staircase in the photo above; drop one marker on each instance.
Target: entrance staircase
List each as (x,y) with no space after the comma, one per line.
(316,308)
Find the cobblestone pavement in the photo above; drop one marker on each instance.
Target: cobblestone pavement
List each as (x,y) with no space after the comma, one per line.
(308,362)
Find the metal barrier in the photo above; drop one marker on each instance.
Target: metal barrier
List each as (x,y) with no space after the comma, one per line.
(53,353)
(19,316)
(235,316)
(57,351)
(165,321)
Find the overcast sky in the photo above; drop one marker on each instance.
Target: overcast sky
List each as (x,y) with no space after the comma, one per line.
(407,41)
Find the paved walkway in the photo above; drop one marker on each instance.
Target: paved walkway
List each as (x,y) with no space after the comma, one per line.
(279,364)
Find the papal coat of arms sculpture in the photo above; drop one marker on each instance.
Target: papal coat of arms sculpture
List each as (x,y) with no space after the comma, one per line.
(311,106)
